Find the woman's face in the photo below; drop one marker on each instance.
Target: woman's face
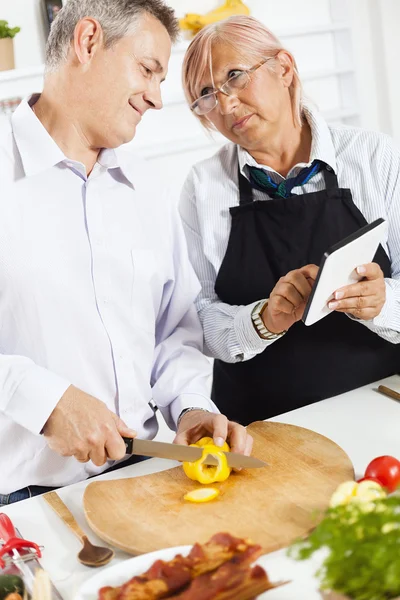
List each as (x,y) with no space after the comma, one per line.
(251,116)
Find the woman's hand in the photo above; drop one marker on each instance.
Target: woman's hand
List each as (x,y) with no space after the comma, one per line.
(288,299)
(364,299)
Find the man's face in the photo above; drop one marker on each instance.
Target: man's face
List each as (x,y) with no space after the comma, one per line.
(122,82)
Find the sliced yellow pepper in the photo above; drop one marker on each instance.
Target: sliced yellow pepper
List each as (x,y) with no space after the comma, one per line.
(201,495)
(206,474)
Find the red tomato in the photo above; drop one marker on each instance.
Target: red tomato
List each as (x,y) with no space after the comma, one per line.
(369,479)
(386,469)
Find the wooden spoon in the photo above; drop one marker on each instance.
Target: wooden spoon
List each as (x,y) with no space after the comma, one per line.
(90,555)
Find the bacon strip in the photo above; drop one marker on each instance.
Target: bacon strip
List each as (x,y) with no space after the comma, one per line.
(217,570)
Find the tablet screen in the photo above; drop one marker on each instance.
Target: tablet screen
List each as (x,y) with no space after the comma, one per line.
(337,268)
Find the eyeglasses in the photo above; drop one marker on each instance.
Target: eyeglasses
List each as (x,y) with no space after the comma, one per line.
(231,87)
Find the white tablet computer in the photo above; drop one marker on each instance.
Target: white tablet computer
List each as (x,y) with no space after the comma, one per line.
(338,265)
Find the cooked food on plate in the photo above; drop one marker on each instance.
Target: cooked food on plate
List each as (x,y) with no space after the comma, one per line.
(220,569)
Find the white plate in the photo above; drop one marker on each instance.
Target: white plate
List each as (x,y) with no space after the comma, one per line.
(303,585)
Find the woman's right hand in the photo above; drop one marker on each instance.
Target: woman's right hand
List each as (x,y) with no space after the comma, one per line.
(288,299)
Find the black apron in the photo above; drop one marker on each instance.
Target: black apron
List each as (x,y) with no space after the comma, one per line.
(267,240)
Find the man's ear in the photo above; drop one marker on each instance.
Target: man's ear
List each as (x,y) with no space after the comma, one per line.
(285,67)
(88,37)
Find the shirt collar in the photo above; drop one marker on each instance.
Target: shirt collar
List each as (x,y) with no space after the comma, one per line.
(37,148)
(321,146)
(39,151)
(121,159)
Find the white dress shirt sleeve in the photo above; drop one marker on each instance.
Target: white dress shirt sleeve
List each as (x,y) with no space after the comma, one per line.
(181,373)
(229,332)
(387,323)
(28,393)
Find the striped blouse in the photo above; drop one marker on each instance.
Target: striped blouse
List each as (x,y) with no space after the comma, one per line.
(366,162)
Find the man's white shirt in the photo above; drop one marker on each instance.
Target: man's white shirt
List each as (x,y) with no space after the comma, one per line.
(96,290)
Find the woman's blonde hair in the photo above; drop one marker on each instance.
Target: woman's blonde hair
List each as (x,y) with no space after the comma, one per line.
(249,37)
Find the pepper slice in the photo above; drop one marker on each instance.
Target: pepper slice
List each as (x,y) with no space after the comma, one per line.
(201,495)
(206,474)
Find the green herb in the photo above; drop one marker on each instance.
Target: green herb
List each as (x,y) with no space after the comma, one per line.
(6,32)
(363,543)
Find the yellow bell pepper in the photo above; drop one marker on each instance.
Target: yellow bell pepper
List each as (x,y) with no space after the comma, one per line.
(206,474)
(203,494)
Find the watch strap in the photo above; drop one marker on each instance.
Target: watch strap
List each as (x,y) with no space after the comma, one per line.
(259,325)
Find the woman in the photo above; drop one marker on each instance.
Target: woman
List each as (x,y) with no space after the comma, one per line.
(260,214)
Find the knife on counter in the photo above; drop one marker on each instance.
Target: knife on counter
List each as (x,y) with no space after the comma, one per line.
(187,453)
(389,392)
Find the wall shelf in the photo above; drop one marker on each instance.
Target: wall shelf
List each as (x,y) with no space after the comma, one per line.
(26,73)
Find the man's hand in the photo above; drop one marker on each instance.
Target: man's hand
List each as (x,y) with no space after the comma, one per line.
(197,424)
(364,299)
(82,426)
(288,299)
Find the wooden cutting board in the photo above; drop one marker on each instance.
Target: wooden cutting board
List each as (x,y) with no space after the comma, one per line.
(272,505)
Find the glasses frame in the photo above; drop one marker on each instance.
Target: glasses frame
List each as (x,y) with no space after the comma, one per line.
(249,72)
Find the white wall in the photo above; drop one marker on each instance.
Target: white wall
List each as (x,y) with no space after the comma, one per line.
(390,24)
(350,71)
(29,43)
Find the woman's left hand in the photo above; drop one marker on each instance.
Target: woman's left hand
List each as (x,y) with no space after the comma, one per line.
(364,299)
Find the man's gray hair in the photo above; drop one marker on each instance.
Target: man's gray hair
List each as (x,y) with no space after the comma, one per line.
(116,18)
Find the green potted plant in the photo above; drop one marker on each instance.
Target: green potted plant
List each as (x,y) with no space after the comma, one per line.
(6,46)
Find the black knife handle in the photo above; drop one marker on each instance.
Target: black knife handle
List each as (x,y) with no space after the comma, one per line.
(128,444)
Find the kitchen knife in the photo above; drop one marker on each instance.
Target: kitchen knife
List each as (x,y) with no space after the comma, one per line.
(389,392)
(187,453)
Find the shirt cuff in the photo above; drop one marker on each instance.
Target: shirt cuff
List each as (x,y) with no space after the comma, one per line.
(250,343)
(187,401)
(390,310)
(35,398)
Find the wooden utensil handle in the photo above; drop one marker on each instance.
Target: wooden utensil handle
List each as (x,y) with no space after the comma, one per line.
(54,500)
(389,392)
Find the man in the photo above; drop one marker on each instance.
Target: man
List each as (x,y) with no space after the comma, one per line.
(97,320)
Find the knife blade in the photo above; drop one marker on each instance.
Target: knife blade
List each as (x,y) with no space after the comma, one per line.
(187,453)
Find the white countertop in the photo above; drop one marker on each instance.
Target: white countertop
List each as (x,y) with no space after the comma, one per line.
(363,422)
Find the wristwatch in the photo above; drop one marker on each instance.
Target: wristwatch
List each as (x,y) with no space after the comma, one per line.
(186,410)
(258,323)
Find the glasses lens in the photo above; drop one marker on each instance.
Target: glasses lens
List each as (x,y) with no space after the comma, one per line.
(205,104)
(236,83)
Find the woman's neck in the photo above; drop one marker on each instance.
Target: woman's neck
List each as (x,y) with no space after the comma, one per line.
(290,146)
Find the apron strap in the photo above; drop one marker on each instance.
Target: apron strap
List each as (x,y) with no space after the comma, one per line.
(331,181)
(245,189)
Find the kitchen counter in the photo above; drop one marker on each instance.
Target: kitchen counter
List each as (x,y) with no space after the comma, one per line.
(363,422)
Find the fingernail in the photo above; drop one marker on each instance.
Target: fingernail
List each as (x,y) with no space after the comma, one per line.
(132,432)
(333,304)
(339,295)
(219,441)
(361,269)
